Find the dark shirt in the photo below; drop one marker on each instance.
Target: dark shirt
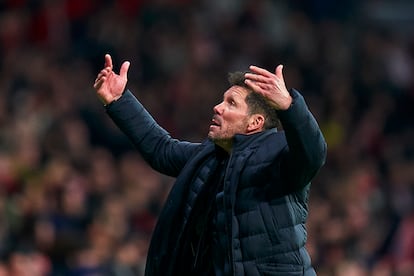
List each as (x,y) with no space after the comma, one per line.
(201,253)
(221,261)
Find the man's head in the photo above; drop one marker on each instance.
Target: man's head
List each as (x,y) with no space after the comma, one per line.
(242,111)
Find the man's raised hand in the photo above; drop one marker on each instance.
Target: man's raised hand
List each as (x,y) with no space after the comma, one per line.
(271,86)
(109,86)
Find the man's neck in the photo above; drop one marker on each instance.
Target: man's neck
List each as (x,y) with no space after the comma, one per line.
(226,145)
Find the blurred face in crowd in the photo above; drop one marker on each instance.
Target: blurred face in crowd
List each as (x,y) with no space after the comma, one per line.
(231,117)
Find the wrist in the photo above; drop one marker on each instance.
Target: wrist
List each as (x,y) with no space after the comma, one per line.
(108,100)
(286,103)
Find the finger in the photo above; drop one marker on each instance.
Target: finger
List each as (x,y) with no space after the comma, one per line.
(104,72)
(253,85)
(108,61)
(123,72)
(257,78)
(100,77)
(265,86)
(98,83)
(260,71)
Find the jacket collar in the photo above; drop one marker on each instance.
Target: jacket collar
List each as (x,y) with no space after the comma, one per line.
(241,141)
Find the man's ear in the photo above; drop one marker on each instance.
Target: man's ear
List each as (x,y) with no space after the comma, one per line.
(256,123)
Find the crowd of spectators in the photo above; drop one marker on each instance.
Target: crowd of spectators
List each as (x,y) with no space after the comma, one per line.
(77,199)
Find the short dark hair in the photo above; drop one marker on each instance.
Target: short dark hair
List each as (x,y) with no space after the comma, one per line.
(256,102)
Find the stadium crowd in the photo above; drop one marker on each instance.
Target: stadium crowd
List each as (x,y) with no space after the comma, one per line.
(76,199)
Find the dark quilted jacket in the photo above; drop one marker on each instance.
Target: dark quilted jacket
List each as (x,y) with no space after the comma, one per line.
(266,188)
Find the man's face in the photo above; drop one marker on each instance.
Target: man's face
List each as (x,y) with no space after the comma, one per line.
(230,116)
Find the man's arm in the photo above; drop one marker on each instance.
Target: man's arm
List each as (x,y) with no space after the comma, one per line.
(307,146)
(163,153)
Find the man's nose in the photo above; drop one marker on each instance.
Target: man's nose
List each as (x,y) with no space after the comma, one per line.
(218,108)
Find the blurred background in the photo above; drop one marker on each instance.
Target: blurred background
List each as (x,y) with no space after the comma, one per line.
(77,199)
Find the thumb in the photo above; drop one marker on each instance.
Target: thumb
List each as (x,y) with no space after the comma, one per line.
(278,71)
(123,72)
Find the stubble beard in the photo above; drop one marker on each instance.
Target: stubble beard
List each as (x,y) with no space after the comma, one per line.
(222,140)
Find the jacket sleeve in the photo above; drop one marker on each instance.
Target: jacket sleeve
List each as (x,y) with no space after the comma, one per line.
(158,148)
(306,145)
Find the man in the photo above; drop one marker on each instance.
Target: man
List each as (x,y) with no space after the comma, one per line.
(239,203)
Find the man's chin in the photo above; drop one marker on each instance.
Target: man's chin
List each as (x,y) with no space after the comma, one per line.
(213,136)
(218,140)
